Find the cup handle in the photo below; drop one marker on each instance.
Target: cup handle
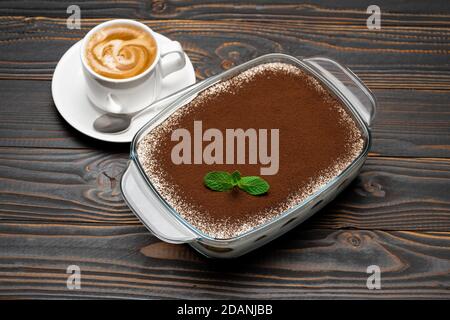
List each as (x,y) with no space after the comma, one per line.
(149,209)
(172,58)
(348,83)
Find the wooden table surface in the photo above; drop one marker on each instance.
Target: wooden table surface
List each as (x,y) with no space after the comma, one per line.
(60,202)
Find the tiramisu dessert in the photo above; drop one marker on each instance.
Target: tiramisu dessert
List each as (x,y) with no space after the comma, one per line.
(297,138)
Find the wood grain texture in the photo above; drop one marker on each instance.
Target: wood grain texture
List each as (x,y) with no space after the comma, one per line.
(344,11)
(126,261)
(82,186)
(60,202)
(411,58)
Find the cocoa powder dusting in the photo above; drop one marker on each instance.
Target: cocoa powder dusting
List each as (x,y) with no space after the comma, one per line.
(318,139)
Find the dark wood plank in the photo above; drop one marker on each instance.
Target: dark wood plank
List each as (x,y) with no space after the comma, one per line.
(60,203)
(397,57)
(393,12)
(126,261)
(393,194)
(82,186)
(408,123)
(62,185)
(29,118)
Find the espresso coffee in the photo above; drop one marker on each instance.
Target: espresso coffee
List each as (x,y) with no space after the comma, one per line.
(120,51)
(318,139)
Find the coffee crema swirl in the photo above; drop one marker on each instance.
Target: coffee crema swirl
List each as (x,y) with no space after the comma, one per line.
(120,51)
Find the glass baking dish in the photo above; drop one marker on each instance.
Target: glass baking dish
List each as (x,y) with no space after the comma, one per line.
(165,223)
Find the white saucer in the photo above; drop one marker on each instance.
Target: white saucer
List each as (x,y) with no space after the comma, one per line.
(68,91)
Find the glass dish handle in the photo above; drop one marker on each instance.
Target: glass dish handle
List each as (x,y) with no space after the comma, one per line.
(348,83)
(150,210)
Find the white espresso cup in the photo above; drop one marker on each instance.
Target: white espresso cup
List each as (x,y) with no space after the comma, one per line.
(135,93)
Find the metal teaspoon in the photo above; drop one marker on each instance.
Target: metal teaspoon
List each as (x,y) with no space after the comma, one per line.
(116,123)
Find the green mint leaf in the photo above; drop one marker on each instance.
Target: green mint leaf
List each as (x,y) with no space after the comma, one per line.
(253,185)
(224,181)
(236,175)
(219,181)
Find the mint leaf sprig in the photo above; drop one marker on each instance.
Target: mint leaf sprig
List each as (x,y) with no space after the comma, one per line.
(224,181)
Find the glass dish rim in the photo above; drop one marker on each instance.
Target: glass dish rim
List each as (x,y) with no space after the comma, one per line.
(179,102)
